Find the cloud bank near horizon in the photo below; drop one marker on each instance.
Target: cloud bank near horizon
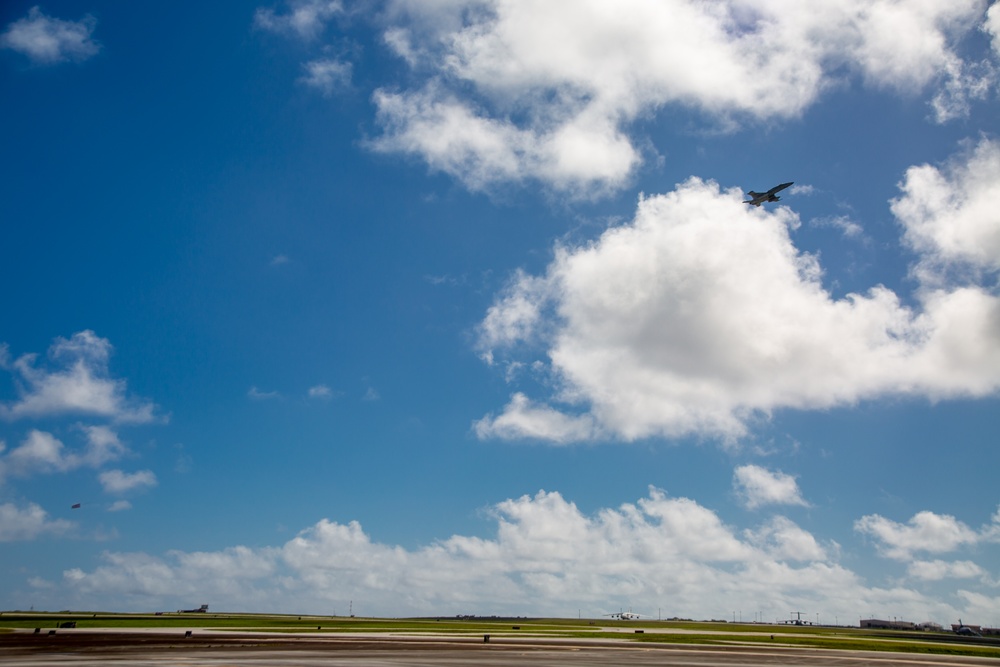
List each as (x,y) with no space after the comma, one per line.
(548,557)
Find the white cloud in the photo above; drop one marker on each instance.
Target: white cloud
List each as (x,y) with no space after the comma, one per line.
(258,395)
(117,481)
(119,506)
(327,75)
(784,540)
(21,524)
(80,385)
(103,446)
(966,82)
(937,570)
(847,227)
(992,25)
(320,391)
(40,452)
(757,486)
(179,576)
(521,418)
(924,532)
(546,558)
(306,18)
(700,315)
(43,453)
(47,41)
(949,213)
(520,90)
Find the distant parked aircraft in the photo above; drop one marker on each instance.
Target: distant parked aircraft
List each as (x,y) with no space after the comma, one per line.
(758,198)
(200,610)
(625,615)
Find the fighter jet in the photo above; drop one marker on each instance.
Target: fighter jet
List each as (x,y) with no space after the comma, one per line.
(758,198)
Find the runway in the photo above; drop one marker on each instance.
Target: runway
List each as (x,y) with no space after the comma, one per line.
(132,649)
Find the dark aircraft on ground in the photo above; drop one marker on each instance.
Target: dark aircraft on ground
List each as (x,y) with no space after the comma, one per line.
(965,630)
(758,198)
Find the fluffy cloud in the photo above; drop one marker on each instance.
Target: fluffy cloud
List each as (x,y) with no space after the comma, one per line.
(925,532)
(103,446)
(28,523)
(949,213)
(306,18)
(524,419)
(40,452)
(520,90)
(758,486)
(700,315)
(258,395)
(81,384)
(992,25)
(936,570)
(179,576)
(327,76)
(46,40)
(116,481)
(546,556)
(320,391)
(43,453)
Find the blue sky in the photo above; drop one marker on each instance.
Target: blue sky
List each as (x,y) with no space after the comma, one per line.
(454,308)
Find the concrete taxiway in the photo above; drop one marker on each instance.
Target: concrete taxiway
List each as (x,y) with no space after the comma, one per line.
(86,648)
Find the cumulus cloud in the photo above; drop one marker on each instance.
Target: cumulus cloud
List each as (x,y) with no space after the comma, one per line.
(178,576)
(937,570)
(701,315)
(39,452)
(521,90)
(546,556)
(757,486)
(925,532)
(79,383)
(27,523)
(327,75)
(258,395)
(966,82)
(47,40)
(42,453)
(522,418)
(305,18)
(847,227)
(992,26)
(117,481)
(948,213)
(320,391)
(103,446)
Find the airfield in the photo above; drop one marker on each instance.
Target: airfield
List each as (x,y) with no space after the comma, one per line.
(125,640)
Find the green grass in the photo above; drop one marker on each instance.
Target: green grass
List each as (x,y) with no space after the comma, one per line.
(680,632)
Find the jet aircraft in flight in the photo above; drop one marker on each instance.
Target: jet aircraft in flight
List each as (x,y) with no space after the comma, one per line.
(758,198)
